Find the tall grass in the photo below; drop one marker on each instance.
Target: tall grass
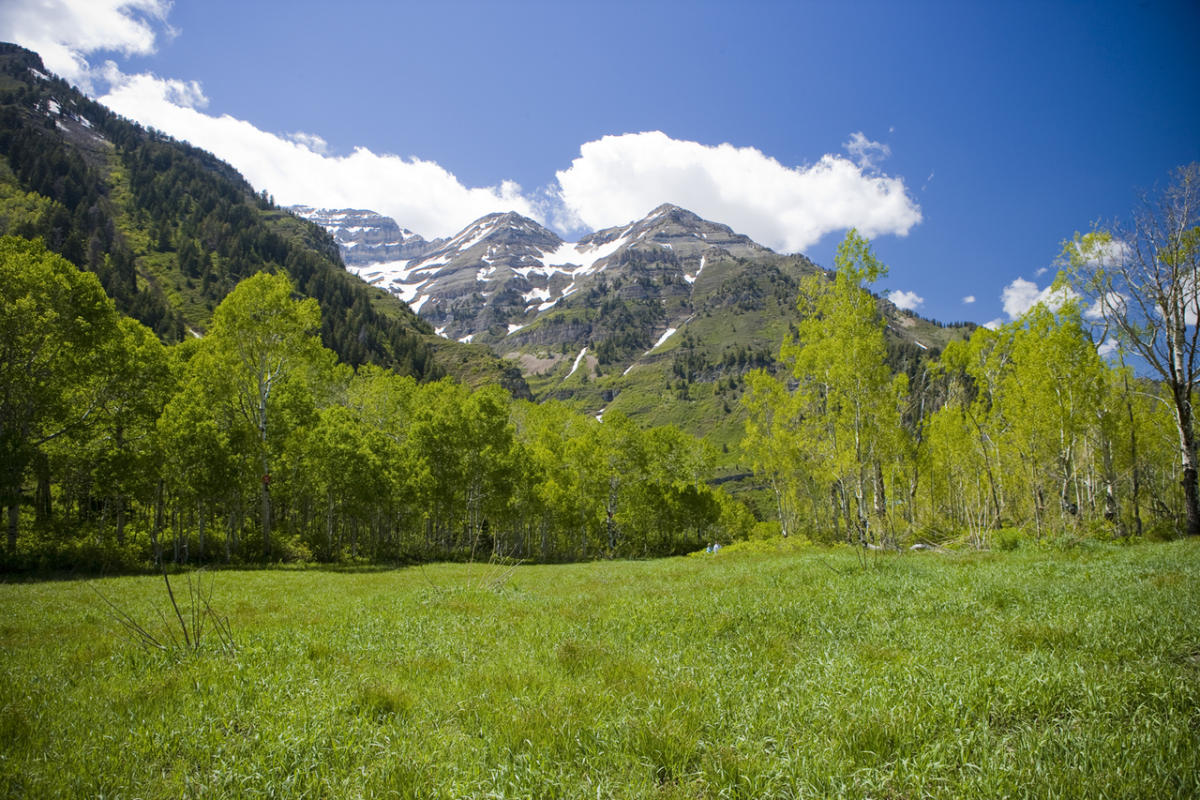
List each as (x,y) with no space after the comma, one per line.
(1023,674)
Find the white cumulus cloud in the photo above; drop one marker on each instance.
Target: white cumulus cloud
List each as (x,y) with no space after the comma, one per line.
(906,300)
(1022,295)
(969,299)
(1111,253)
(419,194)
(616,179)
(65,32)
(1019,296)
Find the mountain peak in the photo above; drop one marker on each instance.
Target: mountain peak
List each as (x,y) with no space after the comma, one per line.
(678,220)
(500,273)
(507,228)
(680,230)
(365,237)
(507,218)
(672,210)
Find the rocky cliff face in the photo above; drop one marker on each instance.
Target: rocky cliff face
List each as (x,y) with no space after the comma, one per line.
(365,237)
(504,271)
(502,275)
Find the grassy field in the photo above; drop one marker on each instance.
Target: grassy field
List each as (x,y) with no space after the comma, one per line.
(1022,674)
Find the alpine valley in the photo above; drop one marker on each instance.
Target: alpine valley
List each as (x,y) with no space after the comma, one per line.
(659,319)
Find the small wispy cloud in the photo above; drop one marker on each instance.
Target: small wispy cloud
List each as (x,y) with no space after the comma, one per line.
(969,299)
(866,153)
(310,141)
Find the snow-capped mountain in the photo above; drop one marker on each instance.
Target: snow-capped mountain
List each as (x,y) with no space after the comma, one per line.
(501,272)
(365,237)
(659,318)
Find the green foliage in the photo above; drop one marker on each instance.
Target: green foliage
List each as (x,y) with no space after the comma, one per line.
(763,544)
(55,325)
(1007,538)
(254,444)
(1020,427)
(833,445)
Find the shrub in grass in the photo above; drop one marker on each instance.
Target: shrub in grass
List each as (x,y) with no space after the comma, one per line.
(1007,539)
(379,701)
(779,545)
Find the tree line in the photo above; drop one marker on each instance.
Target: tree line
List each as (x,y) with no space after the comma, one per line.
(1024,429)
(256,443)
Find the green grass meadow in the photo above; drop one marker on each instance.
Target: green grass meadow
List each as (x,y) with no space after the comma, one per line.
(1030,673)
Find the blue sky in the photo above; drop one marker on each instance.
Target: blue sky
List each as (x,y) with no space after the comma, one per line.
(968,139)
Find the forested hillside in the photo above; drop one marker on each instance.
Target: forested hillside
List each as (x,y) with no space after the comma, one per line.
(170,229)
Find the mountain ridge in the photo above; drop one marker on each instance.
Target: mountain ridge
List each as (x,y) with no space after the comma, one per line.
(659,318)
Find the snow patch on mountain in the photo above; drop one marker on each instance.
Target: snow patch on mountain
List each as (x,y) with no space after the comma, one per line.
(539,296)
(366,238)
(582,255)
(578,358)
(666,335)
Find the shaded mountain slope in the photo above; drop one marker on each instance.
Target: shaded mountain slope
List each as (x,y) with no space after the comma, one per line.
(170,229)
